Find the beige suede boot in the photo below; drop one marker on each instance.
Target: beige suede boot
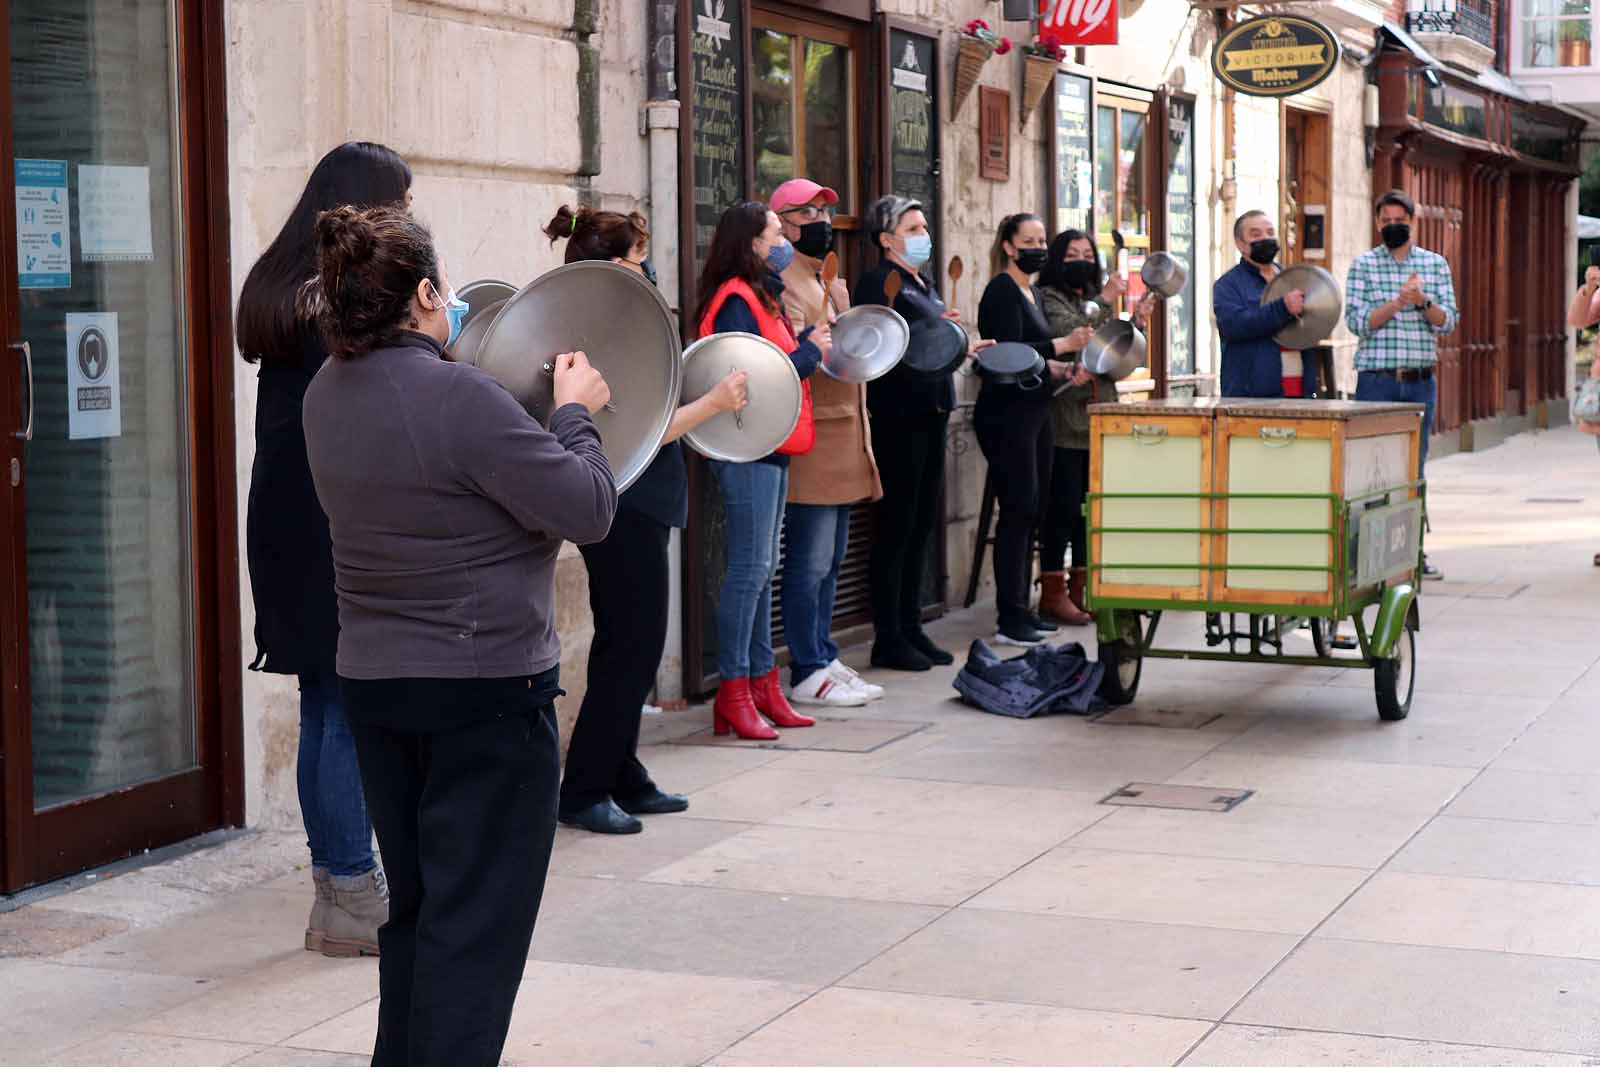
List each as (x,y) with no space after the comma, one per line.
(360,906)
(317,924)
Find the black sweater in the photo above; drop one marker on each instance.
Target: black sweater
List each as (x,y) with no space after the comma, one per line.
(903,391)
(1005,314)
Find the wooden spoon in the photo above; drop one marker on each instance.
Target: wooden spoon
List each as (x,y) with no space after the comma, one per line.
(830,274)
(891,287)
(957,268)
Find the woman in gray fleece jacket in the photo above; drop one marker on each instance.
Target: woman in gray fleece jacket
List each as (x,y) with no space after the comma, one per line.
(447,504)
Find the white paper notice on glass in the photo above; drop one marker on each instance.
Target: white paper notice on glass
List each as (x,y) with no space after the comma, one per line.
(114,214)
(44,225)
(94,389)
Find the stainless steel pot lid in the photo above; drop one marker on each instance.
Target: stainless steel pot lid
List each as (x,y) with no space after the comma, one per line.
(1115,350)
(936,347)
(867,343)
(1324,304)
(465,350)
(481,294)
(773,409)
(1011,358)
(619,320)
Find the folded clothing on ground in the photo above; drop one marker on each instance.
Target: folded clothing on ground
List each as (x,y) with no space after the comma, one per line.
(1044,680)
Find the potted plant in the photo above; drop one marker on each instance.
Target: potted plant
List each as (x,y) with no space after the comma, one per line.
(1575,42)
(1041,59)
(978,43)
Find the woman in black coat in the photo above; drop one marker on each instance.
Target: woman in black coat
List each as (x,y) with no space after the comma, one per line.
(291,556)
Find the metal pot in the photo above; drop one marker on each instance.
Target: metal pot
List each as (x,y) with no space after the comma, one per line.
(867,343)
(937,346)
(1116,350)
(630,336)
(1013,363)
(773,408)
(484,294)
(1163,274)
(1324,304)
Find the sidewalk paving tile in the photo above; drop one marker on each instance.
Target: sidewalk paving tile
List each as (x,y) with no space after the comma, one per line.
(1252,1046)
(118,1050)
(50,1007)
(1138,887)
(235,936)
(1085,768)
(866,1028)
(1531,796)
(1316,783)
(1146,968)
(666,839)
(272,1002)
(1499,848)
(1534,1003)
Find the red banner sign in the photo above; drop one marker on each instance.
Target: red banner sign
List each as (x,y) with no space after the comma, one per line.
(1078,22)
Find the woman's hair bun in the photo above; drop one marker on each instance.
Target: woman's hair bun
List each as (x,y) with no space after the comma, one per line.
(565,224)
(344,237)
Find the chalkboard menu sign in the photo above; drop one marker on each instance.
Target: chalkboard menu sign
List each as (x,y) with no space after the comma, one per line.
(1180,233)
(717,99)
(1074,154)
(914,116)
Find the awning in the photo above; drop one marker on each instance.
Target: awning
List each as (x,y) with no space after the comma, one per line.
(1496,82)
(1410,44)
(1588,228)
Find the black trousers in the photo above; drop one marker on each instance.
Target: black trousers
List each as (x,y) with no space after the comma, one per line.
(1064,525)
(628,594)
(1014,432)
(466,817)
(910,455)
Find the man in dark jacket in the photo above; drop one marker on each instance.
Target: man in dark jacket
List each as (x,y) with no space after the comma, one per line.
(1251,363)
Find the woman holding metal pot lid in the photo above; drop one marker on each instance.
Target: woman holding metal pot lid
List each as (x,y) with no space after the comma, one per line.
(1074,293)
(1013,419)
(741,291)
(605,787)
(447,504)
(910,412)
(836,473)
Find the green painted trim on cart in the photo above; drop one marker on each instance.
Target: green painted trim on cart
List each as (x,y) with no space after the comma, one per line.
(1347,662)
(1391,622)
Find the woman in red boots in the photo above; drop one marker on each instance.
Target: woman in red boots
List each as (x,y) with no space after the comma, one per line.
(741,292)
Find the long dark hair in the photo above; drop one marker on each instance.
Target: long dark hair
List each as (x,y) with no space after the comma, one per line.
(597,234)
(369,262)
(269,324)
(1054,275)
(732,257)
(998,260)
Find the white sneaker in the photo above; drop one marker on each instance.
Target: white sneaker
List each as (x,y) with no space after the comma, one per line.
(845,674)
(822,688)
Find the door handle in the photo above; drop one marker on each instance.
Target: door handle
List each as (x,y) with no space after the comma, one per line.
(26,433)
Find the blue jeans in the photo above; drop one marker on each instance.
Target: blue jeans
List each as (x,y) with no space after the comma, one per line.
(752,495)
(818,537)
(1371,385)
(329,778)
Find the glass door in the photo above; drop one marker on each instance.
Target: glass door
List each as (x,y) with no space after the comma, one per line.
(102,733)
(1124,186)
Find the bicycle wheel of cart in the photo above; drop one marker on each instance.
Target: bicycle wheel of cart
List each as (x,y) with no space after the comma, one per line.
(1395,679)
(1123,660)
(1323,632)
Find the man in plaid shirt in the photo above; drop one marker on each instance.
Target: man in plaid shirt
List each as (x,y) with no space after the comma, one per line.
(1399,300)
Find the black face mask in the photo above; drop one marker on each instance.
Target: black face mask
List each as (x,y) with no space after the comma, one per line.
(1081,274)
(1396,234)
(815,239)
(648,269)
(1032,260)
(1264,251)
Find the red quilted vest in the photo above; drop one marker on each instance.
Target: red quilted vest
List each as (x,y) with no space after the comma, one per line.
(776,329)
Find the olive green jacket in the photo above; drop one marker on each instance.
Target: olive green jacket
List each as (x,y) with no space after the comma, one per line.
(1069,411)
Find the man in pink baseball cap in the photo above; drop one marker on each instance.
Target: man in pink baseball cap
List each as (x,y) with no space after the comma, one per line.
(800,192)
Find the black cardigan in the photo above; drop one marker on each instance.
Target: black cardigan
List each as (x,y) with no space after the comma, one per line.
(1005,314)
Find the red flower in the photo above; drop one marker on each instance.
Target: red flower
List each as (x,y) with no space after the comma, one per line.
(1003,47)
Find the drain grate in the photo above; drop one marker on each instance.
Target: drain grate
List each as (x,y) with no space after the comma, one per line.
(1167,718)
(1180,797)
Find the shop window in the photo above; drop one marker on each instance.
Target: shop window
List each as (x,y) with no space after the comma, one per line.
(1556,33)
(803,107)
(1123,182)
(1456,111)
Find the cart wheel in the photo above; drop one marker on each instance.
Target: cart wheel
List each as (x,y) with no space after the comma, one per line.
(1123,661)
(1323,632)
(1395,679)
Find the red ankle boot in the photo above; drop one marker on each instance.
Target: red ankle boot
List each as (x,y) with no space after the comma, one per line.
(771,702)
(736,711)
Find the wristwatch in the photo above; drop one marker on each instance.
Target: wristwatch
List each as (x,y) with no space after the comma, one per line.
(1428,306)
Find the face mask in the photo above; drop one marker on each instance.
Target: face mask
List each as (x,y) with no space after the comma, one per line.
(1264,251)
(1081,274)
(779,256)
(1396,234)
(1032,260)
(457,310)
(919,249)
(816,238)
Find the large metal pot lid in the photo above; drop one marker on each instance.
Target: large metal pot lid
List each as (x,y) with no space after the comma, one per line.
(867,343)
(773,409)
(1324,304)
(619,320)
(482,294)
(465,350)
(937,346)
(1011,357)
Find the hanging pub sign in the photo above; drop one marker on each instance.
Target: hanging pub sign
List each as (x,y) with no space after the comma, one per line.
(1071,23)
(1275,55)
